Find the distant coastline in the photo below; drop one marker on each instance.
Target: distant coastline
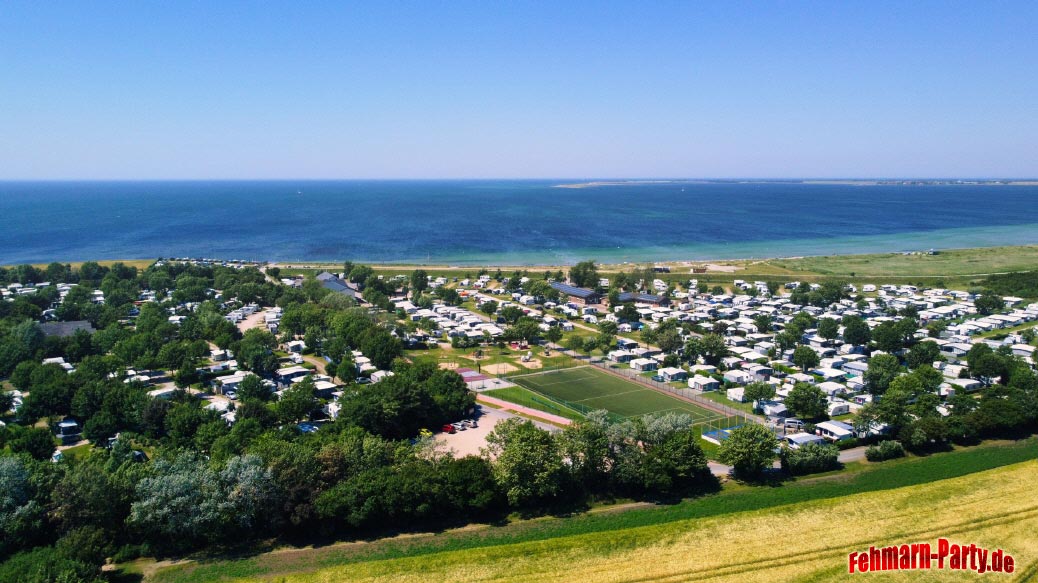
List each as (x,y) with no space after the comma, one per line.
(838,181)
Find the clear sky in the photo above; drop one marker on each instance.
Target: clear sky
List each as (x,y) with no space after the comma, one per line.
(518,89)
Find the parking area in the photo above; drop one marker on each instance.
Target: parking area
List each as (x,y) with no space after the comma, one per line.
(470,441)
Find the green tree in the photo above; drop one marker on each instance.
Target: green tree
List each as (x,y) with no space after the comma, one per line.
(381,347)
(528,462)
(785,340)
(419,281)
(586,445)
(186,503)
(553,335)
(37,442)
(888,337)
(763,322)
(669,340)
(1028,335)
(252,387)
(749,449)
(713,349)
(255,352)
(590,344)
(757,392)
(584,274)
(805,357)
(883,368)
(930,378)
(923,353)
(936,328)
(297,402)
(856,331)
(828,328)
(806,401)
(525,329)
(676,464)
(693,349)
(574,343)
(511,314)
(988,304)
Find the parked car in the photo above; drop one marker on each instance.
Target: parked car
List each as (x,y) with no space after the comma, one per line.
(448,428)
(459,426)
(232,395)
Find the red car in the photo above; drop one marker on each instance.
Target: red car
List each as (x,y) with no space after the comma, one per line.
(448,428)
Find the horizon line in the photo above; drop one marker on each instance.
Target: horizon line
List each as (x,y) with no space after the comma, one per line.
(539,178)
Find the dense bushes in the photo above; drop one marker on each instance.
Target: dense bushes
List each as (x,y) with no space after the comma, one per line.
(417,492)
(652,457)
(1023,284)
(885,450)
(49,565)
(416,397)
(810,458)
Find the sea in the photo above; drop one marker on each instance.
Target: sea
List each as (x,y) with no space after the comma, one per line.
(501,222)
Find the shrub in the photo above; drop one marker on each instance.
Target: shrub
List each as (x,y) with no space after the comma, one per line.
(810,459)
(885,450)
(848,443)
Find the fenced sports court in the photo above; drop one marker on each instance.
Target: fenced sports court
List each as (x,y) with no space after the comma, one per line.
(586,389)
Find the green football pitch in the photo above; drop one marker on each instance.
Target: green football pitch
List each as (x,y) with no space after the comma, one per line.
(590,389)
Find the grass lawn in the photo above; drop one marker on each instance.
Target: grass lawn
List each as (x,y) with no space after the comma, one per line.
(466,357)
(721,398)
(949,263)
(528,398)
(140,264)
(587,388)
(77,451)
(979,494)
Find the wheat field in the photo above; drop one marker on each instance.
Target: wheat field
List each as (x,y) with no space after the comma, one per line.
(802,542)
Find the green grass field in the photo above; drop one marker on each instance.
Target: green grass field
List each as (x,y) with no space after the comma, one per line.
(528,398)
(590,389)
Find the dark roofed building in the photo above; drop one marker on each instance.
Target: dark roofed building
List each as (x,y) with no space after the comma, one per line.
(644,298)
(325,276)
(66,329)
(578,294)
(330,281)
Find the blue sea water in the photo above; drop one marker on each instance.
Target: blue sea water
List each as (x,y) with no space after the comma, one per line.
(499,221)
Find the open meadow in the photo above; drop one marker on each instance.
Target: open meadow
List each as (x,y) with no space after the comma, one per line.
(948,267)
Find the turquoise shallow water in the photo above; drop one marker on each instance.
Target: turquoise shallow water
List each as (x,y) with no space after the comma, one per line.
(503,222)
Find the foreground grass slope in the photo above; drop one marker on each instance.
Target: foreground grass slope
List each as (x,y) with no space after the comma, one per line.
(806,542)
(797,532)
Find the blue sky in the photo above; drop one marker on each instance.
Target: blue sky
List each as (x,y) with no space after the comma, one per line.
(518,89)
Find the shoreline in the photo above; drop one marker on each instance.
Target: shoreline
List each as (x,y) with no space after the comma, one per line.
(713,266)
